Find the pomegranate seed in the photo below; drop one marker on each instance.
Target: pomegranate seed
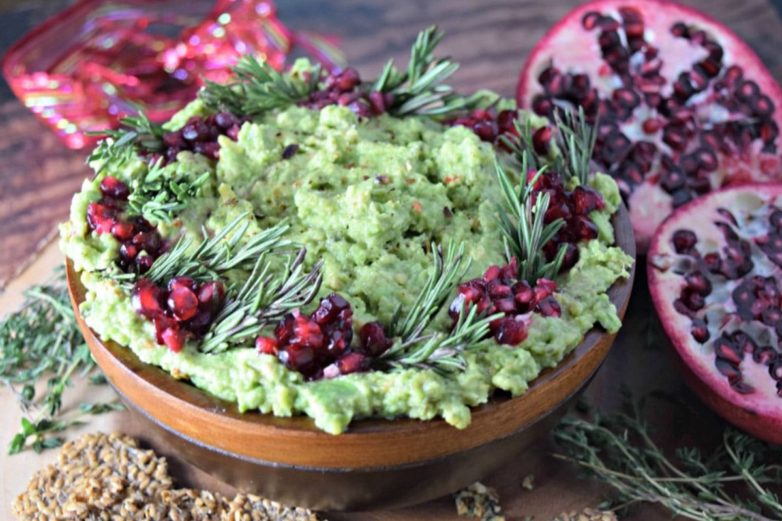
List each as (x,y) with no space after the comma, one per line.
(510,331)
(266,345)
(373,340)
(144,263)
(147,299)
(112,187)
(586,200)
(700,331)
(128,252)
(493,272)
(549,307)
(298,357)
(181,282)
(174,339)
(524,295)
(211,294)
(123,230)
(329,308)
(684,241)
(200,323)
(100,217)
(724,348)
(183,303)
(541,141)
(353,363)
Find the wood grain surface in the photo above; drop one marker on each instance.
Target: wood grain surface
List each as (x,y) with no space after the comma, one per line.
(490,38)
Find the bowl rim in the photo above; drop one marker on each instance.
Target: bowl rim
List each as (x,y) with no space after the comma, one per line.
(198,416)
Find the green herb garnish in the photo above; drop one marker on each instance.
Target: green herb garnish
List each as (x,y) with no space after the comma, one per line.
(135,134)
(735,482)
(159,195)
(263,299)
(41,342)
(229,249)
(421,88)
(258,88)
(413,347)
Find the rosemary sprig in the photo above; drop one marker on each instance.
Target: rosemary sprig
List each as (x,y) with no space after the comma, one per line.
(158,195)
(521,222)
(421,88)
(619,450)
(258,88)
(576,143)
(263,298)
(220,253)
(440,351)
(40,342)
(135,133)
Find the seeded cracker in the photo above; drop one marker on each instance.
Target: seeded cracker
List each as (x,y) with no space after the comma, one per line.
(108,477)
(479,501)
(588,514)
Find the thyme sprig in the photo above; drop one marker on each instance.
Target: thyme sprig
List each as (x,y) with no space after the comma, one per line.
(41,342)
(258,88)
(158,195)
(522,223)
(220,253)
(413,347)
(735,482)
(421,88)
(263,299)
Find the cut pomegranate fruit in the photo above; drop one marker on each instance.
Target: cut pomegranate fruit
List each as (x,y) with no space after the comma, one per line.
(684,105)
(715,275)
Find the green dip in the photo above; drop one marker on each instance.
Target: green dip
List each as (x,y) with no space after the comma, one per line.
(364,196)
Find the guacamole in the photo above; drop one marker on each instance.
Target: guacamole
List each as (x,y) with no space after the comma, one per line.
(366,196)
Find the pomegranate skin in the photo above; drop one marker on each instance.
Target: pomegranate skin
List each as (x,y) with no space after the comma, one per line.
(575,49)
(758,412)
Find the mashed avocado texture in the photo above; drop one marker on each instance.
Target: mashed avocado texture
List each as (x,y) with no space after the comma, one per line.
(367,197)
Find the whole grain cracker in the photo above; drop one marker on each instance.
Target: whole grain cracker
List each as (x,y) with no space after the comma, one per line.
(109,478)
(479,501)
(588,514)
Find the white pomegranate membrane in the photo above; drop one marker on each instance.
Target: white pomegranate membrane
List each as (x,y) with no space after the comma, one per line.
(683,106)
(715,274)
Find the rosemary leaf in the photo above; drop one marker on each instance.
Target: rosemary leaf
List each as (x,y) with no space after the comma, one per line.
(576,144)
(258,88)
(218,254)
(421,88)
(135,133)
(439,351)
(522,225)
(263,299)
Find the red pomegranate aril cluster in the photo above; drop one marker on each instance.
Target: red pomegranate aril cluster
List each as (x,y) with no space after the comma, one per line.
(319,345)
(181,310)
(574,208)
(756,299)
(344,88)
(501,291)
(693,146)
(199,135)
(140,243)
(491,126)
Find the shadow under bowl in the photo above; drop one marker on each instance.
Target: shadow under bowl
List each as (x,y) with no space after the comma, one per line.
(375,464)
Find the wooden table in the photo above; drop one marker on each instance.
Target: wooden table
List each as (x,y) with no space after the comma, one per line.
(490,38)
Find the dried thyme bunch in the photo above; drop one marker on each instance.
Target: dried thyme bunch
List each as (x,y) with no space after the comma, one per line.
(735,482)
(41,342)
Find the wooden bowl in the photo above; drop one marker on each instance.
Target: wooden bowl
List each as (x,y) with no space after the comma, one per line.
(376,463)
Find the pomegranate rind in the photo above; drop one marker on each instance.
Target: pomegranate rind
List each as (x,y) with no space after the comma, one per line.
(648,203)
(759,413)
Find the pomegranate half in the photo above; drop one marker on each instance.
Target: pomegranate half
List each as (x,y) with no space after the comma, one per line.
(715,276)
(683,105)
